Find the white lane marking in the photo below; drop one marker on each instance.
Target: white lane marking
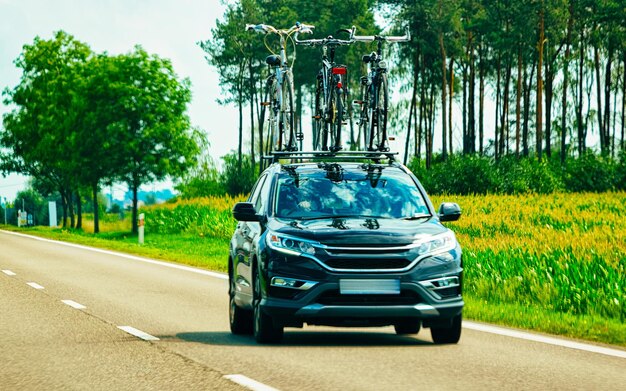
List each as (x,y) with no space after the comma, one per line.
(466,324)
(8,273)
(222,276)
(249,383)
(138,333)
(74,304)
(34,285)
(544,339)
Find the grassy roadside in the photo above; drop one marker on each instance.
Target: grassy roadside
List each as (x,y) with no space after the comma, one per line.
(211,253)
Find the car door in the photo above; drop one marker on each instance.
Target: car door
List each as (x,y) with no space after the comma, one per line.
(244,237)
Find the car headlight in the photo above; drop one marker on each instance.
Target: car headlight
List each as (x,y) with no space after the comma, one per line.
(436,244)
(289,244)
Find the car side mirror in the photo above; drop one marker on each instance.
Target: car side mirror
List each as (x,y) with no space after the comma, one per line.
(449,211)
(244,211)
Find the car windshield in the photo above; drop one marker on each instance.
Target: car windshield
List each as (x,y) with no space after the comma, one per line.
(360,193)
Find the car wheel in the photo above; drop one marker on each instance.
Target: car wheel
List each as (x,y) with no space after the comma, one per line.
(447,335)
(265,331)
(240,319)
(408,326)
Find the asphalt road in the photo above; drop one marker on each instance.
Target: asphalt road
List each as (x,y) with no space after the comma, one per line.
(46,343)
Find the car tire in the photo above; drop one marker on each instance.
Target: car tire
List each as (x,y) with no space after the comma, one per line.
(240,319)
(448,335)
(265,329)
(408,326)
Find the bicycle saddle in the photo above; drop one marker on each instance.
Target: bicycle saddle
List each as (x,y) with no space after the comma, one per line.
(273,60)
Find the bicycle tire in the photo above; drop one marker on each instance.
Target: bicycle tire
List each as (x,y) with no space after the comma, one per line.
(273,142)
(318,116)
(337,107)
(378,114)
(382,124)
(265,137)
(364,129)
(286,115)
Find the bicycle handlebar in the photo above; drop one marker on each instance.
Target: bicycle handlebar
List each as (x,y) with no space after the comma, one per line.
(266,29)
(370,38)
(328,41)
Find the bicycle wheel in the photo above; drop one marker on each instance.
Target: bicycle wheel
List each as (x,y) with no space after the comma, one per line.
(383,103)
(318,116)
(378,114)
(265,146)
(363,137)
(270,105)
(337,106)
(286,124)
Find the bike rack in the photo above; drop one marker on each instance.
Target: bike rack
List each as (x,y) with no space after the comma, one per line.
(315,156)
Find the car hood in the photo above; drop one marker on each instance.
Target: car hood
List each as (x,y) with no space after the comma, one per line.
(359,231)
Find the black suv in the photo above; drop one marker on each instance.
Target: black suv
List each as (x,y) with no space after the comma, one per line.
(344,244)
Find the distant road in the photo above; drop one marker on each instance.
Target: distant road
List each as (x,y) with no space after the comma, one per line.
(75,318)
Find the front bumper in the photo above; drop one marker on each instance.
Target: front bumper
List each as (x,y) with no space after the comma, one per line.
(323,304)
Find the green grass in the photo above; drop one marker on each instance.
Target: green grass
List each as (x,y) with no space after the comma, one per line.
(204,252)
(585,327)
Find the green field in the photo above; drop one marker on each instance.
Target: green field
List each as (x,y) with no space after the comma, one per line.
(553,263)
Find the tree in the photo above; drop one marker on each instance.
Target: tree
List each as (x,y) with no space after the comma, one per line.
(154,137)
(39,132)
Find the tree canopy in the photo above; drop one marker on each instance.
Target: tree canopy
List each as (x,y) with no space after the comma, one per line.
(81,120)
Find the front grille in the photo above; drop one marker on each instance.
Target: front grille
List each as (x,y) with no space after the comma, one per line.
(368,263)
(366,250)
(406,297)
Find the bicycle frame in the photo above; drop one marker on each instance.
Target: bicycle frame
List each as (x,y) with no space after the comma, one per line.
(332,78)
(280,89)
(374,84)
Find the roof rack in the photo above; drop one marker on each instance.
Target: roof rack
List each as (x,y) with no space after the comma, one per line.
(377,156)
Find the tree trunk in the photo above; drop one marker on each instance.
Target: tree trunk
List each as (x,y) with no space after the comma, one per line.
(450,105)
(607,101)
(496,121)
(464,105)
(579,105)
(96,211)
(240,107)
(504,124)
(444,89)
(251,86)
(549,94)
(539,136)
(596,62)
(526,124)
(64,207)
(134,188)
(70,206)
(622,144)
(518,101)
(568,44)
(471,106)
(79,211)
(481,99)
(412,112)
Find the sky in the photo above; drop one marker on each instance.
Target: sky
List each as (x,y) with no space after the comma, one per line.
(168,28)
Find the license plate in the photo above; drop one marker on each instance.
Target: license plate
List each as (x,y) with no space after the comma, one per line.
(369,287)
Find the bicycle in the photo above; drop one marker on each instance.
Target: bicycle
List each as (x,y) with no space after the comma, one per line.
(375,94)
(278,97)
(330,93)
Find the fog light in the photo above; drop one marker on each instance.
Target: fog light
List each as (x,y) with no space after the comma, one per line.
(284,282)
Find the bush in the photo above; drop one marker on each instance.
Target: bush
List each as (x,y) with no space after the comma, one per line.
(469,174)
(590,173)
(527,175)
(238,181)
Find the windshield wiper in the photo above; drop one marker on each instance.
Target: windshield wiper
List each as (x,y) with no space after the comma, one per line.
(342,217)
(417,216)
